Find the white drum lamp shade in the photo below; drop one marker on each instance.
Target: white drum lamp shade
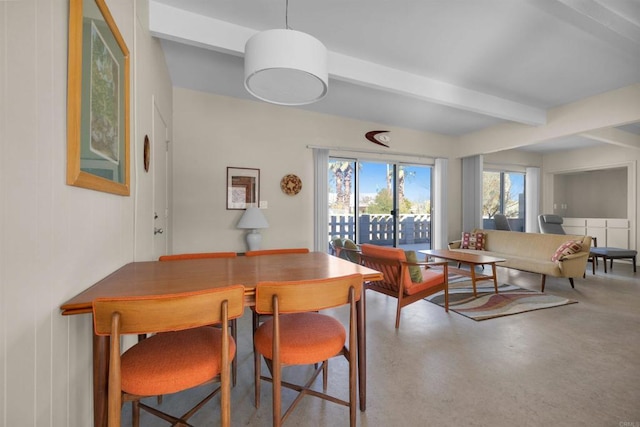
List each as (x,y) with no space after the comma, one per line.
(285,67)
(253,219)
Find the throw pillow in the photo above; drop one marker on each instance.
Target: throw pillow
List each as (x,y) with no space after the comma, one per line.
(567,248)
(414,270)
(473,241)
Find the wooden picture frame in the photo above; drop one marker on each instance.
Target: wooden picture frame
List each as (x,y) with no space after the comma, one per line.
(97,100)
(243,188)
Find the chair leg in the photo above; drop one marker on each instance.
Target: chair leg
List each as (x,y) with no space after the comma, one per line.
(135,413)
(398,315)
(325,375)
(277,394)
(234,362)
(256,378)
(571,281)
(446,299)
(542,283)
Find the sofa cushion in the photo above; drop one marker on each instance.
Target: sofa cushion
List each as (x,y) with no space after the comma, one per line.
(567,248)
(473,241)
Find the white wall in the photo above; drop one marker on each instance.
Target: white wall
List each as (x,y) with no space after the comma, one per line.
(601,157)
(55,240)
(213,132)
(599,193)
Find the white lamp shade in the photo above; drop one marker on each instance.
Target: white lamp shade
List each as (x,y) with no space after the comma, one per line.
(253,218)
(285,67)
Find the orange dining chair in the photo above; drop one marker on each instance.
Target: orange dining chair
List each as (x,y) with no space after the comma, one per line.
(255,317)
(277,251)
(178,257)
(234,324)
(184,352)
(397,281)
(297,334)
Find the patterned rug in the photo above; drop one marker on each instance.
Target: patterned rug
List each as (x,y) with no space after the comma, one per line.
(488,305)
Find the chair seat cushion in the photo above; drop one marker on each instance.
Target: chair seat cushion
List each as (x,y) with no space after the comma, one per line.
(305,338)
(429,278)
(614,252)
(173,361)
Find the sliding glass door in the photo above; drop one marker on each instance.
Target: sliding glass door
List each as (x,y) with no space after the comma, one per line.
(382,203)
(503,192)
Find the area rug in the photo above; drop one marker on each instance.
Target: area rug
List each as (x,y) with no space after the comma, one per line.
(488,305)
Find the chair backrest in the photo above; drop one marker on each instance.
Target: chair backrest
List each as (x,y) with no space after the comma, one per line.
(501,222)
(388,261)
(178,257)
(163,313)
(309,295)
(550,224)
(277,251)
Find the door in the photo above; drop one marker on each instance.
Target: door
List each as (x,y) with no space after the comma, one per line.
(160,155)
(377,203)
(382,203)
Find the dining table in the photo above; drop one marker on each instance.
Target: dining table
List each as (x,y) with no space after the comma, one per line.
(161,278)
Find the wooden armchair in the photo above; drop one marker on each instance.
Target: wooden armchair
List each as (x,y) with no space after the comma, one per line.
(397,281)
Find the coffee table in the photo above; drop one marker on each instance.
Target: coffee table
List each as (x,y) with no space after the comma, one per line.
(470,259)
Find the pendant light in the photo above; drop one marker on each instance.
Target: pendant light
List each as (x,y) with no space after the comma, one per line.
(285,67)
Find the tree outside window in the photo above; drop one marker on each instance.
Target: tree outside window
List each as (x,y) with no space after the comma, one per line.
(503,192)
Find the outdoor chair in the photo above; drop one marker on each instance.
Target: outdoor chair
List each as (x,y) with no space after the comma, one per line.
(501,222)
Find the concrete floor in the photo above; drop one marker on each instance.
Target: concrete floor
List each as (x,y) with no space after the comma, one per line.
(576,365)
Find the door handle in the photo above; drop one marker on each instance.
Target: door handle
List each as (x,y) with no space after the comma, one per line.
(157,230)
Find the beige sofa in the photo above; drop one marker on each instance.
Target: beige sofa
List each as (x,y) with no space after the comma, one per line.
(532,252)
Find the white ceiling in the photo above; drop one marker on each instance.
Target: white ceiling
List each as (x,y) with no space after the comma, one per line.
(444,66)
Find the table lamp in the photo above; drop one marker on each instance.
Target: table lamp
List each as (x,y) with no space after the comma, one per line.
(253,219)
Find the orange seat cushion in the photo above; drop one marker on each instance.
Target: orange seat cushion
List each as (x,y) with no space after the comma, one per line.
(173,361)
(430,278)
(305,338)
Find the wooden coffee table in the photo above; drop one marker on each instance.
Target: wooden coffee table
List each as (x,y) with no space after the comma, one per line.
(470,259)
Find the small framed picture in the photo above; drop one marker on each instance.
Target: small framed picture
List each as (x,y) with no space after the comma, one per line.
(243,187)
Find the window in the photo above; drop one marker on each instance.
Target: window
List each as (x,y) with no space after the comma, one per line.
(503,192)
(382,203)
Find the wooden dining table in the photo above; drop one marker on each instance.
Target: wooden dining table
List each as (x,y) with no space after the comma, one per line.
(159,278)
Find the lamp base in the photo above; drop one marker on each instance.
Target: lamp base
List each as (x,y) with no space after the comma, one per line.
(254,239)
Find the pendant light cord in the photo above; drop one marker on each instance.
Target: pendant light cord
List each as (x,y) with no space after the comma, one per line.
(286,16)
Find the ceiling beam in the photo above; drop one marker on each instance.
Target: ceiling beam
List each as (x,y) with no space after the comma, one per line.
(186,27)
(597,19)
(586,116)
(615,137)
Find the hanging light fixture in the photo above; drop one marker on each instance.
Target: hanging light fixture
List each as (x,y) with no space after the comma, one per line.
(286,67)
